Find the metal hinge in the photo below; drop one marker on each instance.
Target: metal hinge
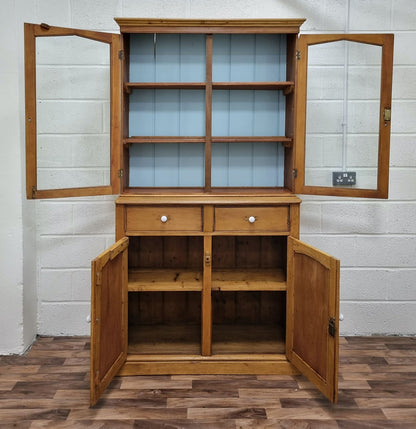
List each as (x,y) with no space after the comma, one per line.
(98,280)
(295,173)
(387,114)
(120,173)
(120,54)
(298,55)
(331,327)
(33,192)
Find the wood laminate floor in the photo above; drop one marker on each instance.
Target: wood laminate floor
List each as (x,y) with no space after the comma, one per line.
(48,388)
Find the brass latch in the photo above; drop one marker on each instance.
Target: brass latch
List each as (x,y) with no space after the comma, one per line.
(331,327)
(387,115)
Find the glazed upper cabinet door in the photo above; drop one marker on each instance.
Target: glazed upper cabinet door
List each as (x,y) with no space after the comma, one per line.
(109,277)
(313,315)
(72,119)
(343,114)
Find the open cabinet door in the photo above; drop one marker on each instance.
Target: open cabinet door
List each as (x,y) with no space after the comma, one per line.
(109,276)
(313,315)
(72,97)
(343,104)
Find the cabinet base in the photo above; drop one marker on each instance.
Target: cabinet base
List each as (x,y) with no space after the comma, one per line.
(200,365)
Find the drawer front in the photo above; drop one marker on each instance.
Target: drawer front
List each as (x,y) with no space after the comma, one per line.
(252,219)
(163,218)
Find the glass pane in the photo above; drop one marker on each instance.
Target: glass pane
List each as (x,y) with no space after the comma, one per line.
(73,112)
(342,115)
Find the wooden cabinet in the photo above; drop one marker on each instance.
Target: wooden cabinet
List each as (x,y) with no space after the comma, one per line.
(214,125)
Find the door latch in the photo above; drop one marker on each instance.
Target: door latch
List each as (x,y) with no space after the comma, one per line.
(331,327)
(207,259)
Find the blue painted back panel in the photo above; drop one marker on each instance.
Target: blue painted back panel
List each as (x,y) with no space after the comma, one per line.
(249,57)
(172,58)
(167,165)
(247,164)
(165,112)
(181,58)
(248,113)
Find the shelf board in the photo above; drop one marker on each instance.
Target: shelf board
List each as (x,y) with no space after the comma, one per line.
(168,280)
(285,86)
(164,139)
(259,279)
(286,141)
(254,338)
(233,341)
(130,86)
(252,139)
(165,339)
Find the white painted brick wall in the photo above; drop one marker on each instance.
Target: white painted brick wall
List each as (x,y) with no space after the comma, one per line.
(375,240)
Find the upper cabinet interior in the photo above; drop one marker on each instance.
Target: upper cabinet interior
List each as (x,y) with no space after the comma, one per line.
(206,106)
(344,109)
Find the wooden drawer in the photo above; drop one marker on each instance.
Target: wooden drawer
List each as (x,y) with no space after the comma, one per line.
(252,219)
(163,218)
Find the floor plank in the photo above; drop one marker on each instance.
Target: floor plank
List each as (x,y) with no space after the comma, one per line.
(49,388)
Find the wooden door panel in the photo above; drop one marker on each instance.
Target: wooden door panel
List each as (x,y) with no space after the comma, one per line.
(313,304)
(351,132)
(109,277)
(60,171)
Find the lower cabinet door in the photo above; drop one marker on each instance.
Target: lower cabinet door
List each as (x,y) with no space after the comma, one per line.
(313,315)
(109,277)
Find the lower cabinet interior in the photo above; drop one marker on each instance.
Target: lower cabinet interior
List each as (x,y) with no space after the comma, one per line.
(247,301)
(248,322)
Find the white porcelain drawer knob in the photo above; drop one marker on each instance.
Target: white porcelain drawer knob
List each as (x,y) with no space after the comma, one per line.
(251,219)
(163,219)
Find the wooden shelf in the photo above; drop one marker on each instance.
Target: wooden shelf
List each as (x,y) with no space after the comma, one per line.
(168,280)
(252,139)
(248,280)
(165,339)
(181,339)
(230,339)
(286,141)
(130,86)
(164,139)
(285,86)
